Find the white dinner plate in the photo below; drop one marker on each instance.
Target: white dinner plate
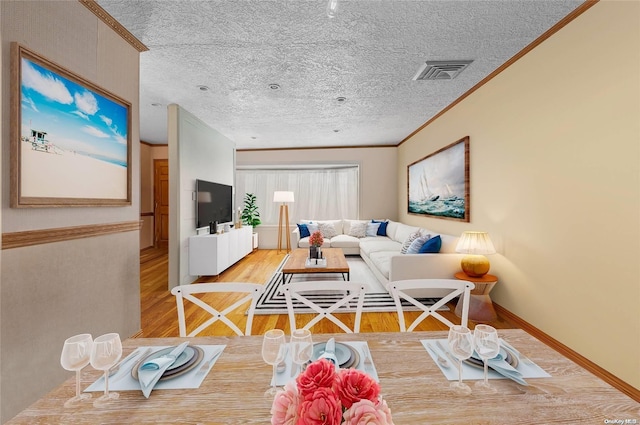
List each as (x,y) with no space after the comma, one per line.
(343,353)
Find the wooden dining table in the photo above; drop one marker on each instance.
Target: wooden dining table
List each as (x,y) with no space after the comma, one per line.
(412,384)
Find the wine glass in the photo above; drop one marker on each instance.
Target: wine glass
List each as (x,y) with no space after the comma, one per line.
(107,350)
(301,348)
(485,340)
(461,345)
(273,349)
(75,355)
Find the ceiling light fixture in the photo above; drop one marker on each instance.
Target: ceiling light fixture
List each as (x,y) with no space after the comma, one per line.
(274,86)
(203,88)
(332,8)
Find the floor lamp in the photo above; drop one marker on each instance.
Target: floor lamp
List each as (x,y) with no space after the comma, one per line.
(283,198)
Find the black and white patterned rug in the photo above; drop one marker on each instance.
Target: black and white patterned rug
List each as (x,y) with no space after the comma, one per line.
(376,298)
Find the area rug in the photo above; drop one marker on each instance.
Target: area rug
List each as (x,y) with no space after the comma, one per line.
(376,298)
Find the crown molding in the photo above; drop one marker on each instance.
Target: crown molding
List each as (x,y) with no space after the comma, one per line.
(105,17)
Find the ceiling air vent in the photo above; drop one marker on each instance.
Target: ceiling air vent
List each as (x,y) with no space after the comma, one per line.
(441,70)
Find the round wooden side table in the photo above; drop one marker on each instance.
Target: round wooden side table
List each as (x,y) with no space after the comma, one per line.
(480,304)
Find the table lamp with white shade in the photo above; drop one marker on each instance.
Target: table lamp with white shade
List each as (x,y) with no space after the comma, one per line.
(476,245)
(283,197)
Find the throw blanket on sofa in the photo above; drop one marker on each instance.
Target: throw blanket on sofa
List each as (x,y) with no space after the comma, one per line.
(376,298)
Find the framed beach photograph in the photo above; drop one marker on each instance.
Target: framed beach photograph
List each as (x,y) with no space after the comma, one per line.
(438,184)
(70,139)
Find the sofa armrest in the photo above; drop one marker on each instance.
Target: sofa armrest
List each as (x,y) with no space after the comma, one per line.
(424,266)
(295,237)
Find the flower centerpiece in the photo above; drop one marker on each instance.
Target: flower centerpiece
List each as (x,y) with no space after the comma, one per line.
(323,396)
(315,242)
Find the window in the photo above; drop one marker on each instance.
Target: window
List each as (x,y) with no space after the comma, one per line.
(321,192)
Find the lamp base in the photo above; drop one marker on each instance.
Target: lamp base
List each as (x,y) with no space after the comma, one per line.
(475,265)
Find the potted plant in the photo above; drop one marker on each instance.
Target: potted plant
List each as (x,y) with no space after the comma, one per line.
(315,242)
(250,214)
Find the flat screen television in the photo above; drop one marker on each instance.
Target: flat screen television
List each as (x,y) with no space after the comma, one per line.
(214,202)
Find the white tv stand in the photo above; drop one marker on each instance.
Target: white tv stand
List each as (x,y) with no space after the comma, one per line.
(210,255)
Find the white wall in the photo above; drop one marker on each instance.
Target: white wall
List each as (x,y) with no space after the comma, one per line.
(555,180)
(196,151)
(378,180)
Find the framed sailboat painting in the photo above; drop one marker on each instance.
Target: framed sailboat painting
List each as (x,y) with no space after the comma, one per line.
(438,184)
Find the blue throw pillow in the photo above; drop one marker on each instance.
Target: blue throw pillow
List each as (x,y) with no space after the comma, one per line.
(304,231)
(433,245)
(382,229)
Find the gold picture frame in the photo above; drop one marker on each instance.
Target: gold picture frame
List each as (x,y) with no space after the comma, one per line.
(438,184)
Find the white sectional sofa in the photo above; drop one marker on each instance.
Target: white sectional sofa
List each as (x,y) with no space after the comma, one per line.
(383,253)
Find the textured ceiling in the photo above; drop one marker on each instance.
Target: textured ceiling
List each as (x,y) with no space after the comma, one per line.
(368,53)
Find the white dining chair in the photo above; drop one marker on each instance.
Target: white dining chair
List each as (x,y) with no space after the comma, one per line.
(401,289)
(183,293)
(325,298)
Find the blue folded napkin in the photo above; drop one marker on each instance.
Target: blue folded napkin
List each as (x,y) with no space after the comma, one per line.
(500,365)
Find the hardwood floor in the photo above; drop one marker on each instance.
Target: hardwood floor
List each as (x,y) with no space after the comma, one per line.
(160,319)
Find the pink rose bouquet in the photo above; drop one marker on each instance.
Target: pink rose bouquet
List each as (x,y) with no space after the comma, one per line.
(324,396)
(316,239)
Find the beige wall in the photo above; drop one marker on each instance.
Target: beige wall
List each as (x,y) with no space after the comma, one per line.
(196,151)
(555,166)
(51,291)
(148,154)
(378,181)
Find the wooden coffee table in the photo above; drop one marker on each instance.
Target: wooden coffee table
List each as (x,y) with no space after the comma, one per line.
(336,263)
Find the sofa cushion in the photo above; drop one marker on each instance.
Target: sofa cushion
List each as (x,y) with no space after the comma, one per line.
(407,242)
(382,261)
(382,229)
(304,243)
(449,243)
(403,231)
(313,227)
(417,243)
(379,243)
(392,226)
(431,246)
(346,225)
(372,229)
(345,241)
(358,229)
(304,230)
(328,230)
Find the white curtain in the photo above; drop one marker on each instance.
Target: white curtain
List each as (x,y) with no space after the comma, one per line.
(322,193)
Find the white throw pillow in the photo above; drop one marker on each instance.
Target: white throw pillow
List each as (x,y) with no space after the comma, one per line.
(358,229)
(372,229)
(328,230)
(407,242)
(417,243)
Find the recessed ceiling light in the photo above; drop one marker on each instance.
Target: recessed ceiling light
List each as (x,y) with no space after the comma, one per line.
(203,88)
(274,86)
(341,99)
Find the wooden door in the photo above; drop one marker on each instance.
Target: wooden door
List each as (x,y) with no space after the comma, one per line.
(161,202)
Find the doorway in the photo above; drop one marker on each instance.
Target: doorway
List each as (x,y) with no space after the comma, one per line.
(161,202)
